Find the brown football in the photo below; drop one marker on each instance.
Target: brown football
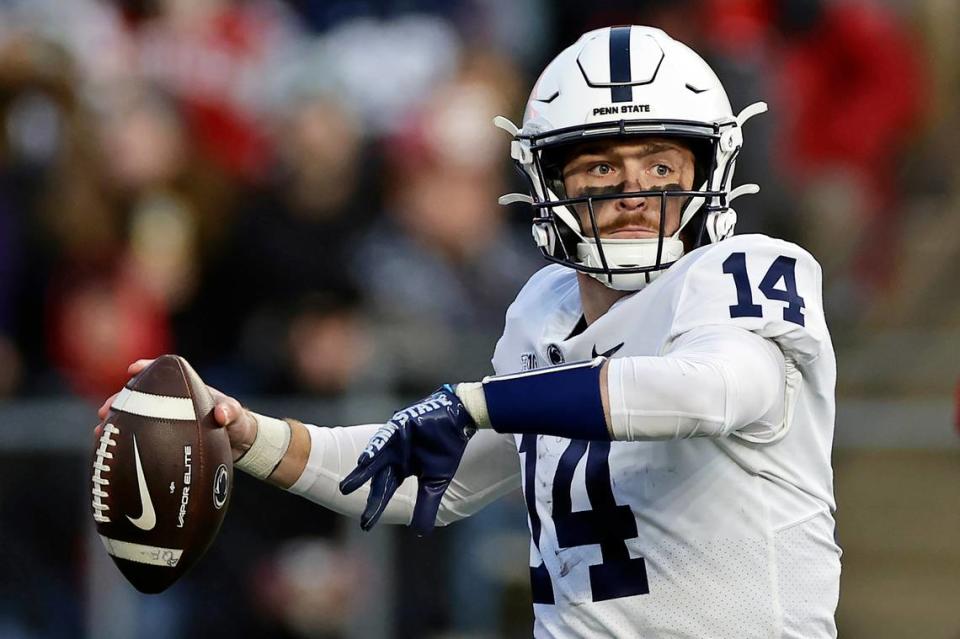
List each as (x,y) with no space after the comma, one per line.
(162,475)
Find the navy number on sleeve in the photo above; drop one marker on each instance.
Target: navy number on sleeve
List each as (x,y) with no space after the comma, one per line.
(783,268)
(606,524)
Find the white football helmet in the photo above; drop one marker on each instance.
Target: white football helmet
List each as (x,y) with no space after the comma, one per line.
(619,82)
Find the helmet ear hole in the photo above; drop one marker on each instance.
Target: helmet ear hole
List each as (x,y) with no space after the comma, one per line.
(568,238)
(694,235)
(703,151)
(556,185)
(552,164)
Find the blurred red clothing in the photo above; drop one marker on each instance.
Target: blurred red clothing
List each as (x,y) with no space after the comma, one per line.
(98,325)
(853,93)
(847,87)
(215,63)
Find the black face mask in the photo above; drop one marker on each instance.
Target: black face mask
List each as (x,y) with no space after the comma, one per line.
(551,195)
(586,207)
(593,191)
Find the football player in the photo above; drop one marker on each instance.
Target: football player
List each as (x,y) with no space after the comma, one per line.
(667,386)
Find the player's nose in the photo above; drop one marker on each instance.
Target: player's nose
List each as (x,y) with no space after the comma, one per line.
(635,182)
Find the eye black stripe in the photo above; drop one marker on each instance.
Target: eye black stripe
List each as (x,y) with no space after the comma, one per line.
(620,64)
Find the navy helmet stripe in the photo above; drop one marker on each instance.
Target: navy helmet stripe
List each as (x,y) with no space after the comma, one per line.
(620,64)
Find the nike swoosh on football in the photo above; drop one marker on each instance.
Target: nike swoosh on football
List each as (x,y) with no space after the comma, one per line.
(148,516)
(608,353)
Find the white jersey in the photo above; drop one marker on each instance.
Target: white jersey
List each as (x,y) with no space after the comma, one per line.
(705,537)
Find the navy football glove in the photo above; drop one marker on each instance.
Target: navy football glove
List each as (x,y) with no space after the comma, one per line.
(426,440)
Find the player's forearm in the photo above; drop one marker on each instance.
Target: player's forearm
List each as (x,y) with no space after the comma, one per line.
(271,449)
(294,460)
(311,461)
(715,380)
(317,459)
(333,454)
(487,471)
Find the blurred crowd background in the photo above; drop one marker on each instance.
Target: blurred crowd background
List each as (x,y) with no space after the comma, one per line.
(300,197)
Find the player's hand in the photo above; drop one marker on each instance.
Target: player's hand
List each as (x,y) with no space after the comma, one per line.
(426,440)
(227,412)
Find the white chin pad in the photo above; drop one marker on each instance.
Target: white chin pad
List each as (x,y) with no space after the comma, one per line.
(628,253)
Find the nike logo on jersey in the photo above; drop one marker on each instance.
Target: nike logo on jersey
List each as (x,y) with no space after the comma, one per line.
(608,353)
(148,517)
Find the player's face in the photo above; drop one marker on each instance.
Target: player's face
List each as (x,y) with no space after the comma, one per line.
(617,166)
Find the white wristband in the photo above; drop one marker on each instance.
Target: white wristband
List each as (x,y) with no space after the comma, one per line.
(268,449)
(471,394)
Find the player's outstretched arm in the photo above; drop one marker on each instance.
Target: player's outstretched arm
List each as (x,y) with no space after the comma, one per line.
(314,460)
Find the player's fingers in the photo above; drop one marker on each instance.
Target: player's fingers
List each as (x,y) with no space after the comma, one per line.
(105,408)
(382,487)
(222,415)
(360,475)
(217,394)
(429,494)
(227,411)
(138,366)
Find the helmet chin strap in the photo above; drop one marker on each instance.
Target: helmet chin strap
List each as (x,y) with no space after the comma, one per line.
(628,253)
